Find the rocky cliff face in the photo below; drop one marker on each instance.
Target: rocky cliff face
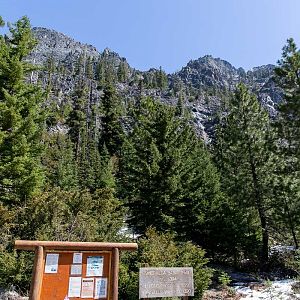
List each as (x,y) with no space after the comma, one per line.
(202,82)
(65,50)
(59,47)
(212,78)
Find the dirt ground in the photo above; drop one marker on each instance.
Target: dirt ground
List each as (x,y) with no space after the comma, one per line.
(224,294)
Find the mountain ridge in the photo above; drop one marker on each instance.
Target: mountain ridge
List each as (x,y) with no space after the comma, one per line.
(39,30)
(202,82)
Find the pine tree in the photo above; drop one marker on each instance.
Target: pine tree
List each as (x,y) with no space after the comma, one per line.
(105,174)
(180,106)
(21,117)
(59,162)
(161,79)
(100,73)
(288,145)
(164,172)
(246,162)
(50,69)
(288,78)
(80,65)
(112,131)
(122,72)
(2,22)
(77,119)
(89,68)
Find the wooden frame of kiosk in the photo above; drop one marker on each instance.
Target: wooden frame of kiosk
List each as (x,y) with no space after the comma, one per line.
(74,270)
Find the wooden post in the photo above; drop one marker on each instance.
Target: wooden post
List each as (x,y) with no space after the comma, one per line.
(115,273)
(37,275)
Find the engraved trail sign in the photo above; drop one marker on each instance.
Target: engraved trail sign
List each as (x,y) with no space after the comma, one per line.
(166,282)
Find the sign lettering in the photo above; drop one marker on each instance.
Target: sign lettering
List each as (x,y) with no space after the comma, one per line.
(166,282)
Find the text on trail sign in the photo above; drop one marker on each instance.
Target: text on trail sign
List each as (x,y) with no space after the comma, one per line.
(166,282)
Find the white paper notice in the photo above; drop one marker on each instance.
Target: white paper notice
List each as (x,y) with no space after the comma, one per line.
(74,287)
(87,290)
(94,266)
(51,265)
(76,269)
(77,258)
(100,288)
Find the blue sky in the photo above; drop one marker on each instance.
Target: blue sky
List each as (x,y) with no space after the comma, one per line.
(168,33)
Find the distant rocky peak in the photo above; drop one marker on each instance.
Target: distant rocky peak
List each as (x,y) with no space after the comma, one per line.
(55,40)
(209,61)
(65,50)
(210,72)
(107,51)
(58,46)
(262,71)
(108,54)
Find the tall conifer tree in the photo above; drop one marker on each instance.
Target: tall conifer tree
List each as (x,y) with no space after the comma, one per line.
(166,174)
(112,132)
(246,162)
(21,117)
(288,143)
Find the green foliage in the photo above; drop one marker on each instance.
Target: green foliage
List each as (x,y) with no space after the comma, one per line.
(112,131)
(105,72)
(59,162)
(2,22)
(56,215)
(166,173)
(77,119)
(160,250)
(224,279)
(246,162)
(166,178)
(21,117)
(7,223)
(180,106)
(62,215)
(161,79)
(288,78)
(106,178)
(154,78)
(89,68)
(122,71)
(288,145)
(16,270)
(93,164)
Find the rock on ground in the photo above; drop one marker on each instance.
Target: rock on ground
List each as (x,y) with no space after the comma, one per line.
(11,295)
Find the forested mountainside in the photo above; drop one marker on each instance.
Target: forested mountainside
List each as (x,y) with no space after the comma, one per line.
(200,165)
(202,83)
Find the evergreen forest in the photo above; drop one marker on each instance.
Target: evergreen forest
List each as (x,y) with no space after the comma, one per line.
(135,169)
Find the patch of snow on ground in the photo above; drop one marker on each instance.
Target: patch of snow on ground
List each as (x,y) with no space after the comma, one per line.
(277,290)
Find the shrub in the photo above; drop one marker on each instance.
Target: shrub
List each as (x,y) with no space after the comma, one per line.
(160,250)
(55,215)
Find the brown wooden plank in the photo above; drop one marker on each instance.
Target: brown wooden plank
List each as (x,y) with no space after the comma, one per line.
(76,246)
(55,285)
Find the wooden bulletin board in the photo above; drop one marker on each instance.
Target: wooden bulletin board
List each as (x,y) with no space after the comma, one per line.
(56,285)
(55,269)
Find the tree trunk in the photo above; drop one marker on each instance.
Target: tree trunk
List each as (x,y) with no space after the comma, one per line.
(265,235)
(261,212)
(291,225)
